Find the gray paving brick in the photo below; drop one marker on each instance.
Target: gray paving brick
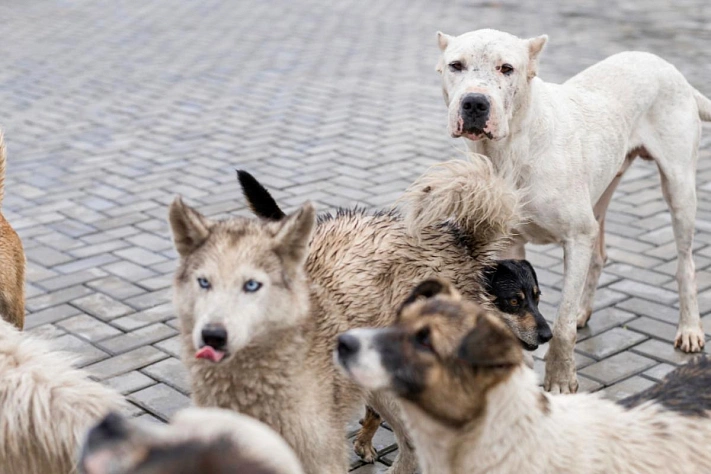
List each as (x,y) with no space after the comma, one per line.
(658,372)
(160,400)
(654,328)
(648,292)
(129,382)
(50,315)
(171,372)
(140,337)
(602,320)
(85,352)
(617,367)
(102,306)
(88,328)
(609,342)
(123,363)
(664,352)
(627,388)
(58,297)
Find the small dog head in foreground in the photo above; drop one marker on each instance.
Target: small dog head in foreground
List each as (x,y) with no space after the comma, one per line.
(443,354)
(206,441)
(238,279)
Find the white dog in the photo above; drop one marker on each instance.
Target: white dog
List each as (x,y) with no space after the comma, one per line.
(568,146)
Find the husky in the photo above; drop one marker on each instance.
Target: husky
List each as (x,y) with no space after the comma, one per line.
(47,405)
(261,301)
(198,440)
(473,406)
(12,258)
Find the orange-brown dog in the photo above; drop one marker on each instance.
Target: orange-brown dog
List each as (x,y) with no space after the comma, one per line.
(12,262)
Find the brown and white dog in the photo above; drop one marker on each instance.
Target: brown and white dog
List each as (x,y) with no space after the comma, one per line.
(262,301)
(12,261)
(473,406)
(198,440)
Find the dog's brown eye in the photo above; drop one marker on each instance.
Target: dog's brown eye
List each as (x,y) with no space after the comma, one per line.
(513,301)
(456,66)
(423,338)
(506,69)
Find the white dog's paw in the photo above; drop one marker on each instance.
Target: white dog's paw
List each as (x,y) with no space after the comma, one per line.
(689,339)
(583,318)
(560,374)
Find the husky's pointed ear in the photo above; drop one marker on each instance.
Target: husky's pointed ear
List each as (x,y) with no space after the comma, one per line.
(535,46)
(429,289)
(490,344)
(260,201)
(442,41)
(190,228)
(294,235)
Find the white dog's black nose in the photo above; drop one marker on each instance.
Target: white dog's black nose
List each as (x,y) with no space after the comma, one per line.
(347,345)
(215,336)
(475,111)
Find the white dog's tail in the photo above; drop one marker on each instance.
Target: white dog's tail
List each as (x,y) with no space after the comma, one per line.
(486,206)
(2,167)
(704,105)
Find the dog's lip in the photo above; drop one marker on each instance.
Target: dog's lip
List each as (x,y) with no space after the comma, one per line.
(529,347)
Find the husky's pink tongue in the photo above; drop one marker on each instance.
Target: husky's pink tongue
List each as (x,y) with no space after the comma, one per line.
(209,353)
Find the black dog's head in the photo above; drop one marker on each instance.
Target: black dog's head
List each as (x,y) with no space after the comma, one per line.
(514,287)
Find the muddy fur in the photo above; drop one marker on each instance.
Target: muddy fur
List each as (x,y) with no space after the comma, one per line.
(472,406)
(46,405)
(12,261)
(198,440)
(355,272)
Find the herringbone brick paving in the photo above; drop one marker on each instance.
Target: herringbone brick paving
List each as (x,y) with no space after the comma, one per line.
(112,107)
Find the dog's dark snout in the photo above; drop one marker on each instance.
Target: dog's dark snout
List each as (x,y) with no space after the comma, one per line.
(215,336)
(476,104)
(475,112)
(347,345)
(544,334)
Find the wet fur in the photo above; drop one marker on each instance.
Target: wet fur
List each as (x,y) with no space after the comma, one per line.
(478,409)
(47,405)
(359,268)
(12,258)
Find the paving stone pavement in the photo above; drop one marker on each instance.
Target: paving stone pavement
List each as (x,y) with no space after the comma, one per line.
(111,108)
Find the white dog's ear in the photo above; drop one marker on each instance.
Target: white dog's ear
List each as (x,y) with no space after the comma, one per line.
(190,228)
(294,234)
(442,41)
(535,46)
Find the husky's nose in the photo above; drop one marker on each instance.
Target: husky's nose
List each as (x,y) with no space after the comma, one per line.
(215,336)
(347,345)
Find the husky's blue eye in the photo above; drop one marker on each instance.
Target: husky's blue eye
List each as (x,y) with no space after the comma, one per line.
(251,286)
(204,283)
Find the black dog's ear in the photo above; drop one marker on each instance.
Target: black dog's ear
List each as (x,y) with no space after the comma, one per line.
(528,265)
(260,201)
(490,344)
(429,289)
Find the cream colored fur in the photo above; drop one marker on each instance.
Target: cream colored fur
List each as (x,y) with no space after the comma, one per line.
(577,434)
(358,269)
(46,405)
(568,146)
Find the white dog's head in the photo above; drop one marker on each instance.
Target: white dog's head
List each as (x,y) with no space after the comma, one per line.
(486,76)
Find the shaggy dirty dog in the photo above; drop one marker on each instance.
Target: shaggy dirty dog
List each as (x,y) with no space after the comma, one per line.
(568,145)
(261,301)
(473,406)
(12,261)
(198,440)
(513,286)
(47,405)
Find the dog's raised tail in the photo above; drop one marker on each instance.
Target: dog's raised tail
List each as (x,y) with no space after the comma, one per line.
(3,159)
(484,205)
(704,105)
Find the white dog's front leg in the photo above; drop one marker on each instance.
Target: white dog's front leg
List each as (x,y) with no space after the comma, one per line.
(560,362)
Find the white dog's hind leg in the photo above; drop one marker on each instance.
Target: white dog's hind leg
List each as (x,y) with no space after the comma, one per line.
(560,363)
(679,189)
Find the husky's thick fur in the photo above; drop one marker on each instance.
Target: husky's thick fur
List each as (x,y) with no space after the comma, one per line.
(46,406)
(197,441)
(261,301)
(472,406)
(12,261)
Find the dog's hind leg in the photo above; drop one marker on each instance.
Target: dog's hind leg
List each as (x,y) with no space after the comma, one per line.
(599,252)
(363,444)
(389,409)
(679,190)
